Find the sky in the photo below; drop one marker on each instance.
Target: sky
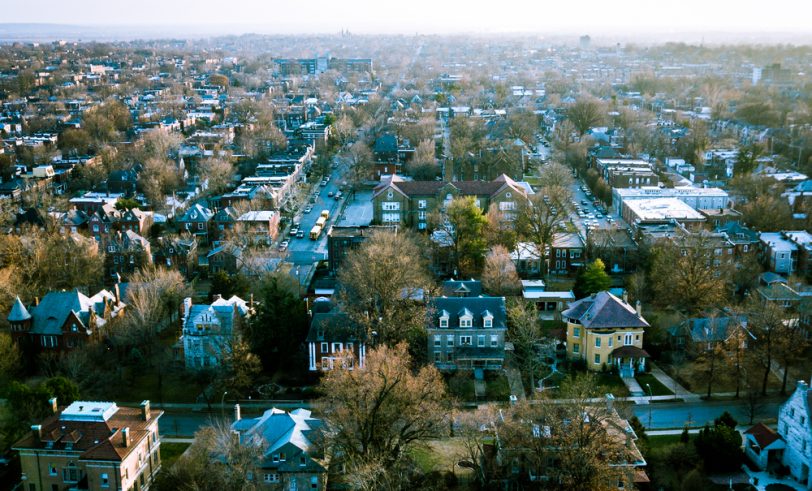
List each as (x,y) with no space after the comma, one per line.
(427,16)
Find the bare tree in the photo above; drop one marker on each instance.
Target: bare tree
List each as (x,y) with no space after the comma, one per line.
(499,278)
(584,114)
(524,331)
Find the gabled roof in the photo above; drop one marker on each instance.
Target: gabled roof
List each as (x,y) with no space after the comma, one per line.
(604,310)
(464,188)
(763,435)
(476,307)
(277,428)
(334,327)
(52,312)
(470,288)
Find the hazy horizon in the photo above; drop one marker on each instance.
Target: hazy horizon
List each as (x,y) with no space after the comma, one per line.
(618,18)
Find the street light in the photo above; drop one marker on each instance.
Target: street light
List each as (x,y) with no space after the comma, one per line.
(222,402)
(650,395)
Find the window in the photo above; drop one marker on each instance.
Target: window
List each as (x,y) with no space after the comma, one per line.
(487,322)
(610,341)
(249,476)
(478,203)
(105,480)
(421,226)
(275,457)
(271,477)
(70,473)
(348,347)
(421,215)
(324,347)
(282,456)
(449,340)
(437,358)
(507,205)
(597,359)
(390,217)
(443,321)
(48,341)
(628,339)
(465,322)
(390,206)
(465,340)
(745,248)
(576,348)
(558,253)
(337,347)
(597,342)
(480,341)
(314,482)
(302,460)
(422,204)
(494,340)
(51,469)
(576,332)
(200,226)
(437,341)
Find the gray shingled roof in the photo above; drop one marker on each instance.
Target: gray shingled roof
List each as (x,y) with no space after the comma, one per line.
(604,310)
(477,306)
(52,312)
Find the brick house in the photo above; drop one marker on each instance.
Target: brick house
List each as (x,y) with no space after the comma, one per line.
(567,253)
(409,203)
(196,221)
(94,446)
(125,253)
(334,340)
(63,320)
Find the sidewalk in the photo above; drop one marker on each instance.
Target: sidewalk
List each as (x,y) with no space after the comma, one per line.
(680,392)
(515,381)
(634,387)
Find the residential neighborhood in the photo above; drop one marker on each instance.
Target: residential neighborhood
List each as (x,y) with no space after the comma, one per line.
(454,260)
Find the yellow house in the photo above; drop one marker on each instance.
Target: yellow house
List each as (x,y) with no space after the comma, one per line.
(604,331)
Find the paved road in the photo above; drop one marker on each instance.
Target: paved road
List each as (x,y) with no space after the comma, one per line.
(676,415)
(305,250)
(663,415)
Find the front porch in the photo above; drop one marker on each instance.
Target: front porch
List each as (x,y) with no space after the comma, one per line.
(629,360)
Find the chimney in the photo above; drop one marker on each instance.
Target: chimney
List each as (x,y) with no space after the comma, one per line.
(629,432)
(610,402)
(237,413)
(37,430)
(125,436)
(117,289)
(625,297)
(54,406)
(639,308)
(36,301)
(235,437)
(801,385)
(145,412)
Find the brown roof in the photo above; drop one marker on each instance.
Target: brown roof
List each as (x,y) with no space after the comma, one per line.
(630,352)
(97,440)
(764,435)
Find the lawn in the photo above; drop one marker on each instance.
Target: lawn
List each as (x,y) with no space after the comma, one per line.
(440,455)
(461,386)
(657,388)
(497,387)
(612,383)
(177,386)
(170,452)
(661,441)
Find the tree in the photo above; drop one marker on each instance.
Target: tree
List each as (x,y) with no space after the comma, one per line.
(767,322)
(691,272)
(584,114)
(767,213)
(500,230)
(423,166)
(541,215)
(239,367)
(592,279)
(746,159)
(74,141)
(218,171)
(472,428)
(279,327)
(360,162)
(379,412)
(227,285)
(524,331)
(380,280)
(219,80)
(216,461)
(10,360)
(465,224)
(574,432)
(499,278)
(105,122)
(719,447)
(126,204)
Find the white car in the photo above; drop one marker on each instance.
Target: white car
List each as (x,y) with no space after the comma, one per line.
(284,245)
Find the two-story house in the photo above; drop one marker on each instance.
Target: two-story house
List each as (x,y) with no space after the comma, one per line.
(196,221)
(779,253)
(567,253)
(410,203)
(466,333)
(95,446)
(176,253)
(334,340)
(259,227)
(291,443)
(125,253)
(604,330)
(64,320)
(209,329)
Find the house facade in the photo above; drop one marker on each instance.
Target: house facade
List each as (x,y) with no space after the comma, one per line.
(410,203)
(291,458)
(334,340)
(606,331)
(209,329)
(95,446)
(567,253)
(795,428)
(466,333)
(63,321)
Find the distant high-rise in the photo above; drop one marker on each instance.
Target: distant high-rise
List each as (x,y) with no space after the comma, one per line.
(585,41)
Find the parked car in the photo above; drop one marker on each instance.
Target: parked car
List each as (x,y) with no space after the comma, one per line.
(284,245)
(308,209)
(330,194)
(293,231)
(300,234)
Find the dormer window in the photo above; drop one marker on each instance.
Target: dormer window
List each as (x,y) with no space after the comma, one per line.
(465,321)
(487,319)
(444,319)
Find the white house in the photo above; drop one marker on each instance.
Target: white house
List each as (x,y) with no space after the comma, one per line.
(795,428)
(209,329)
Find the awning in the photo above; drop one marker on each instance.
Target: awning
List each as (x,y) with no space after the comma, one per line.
(629,352)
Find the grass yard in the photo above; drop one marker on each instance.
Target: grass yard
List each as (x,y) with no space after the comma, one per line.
(657,388)
(441,455)
(497,387)
(170,452)
(461,386)
(612,383)
(177,386)
(661,441)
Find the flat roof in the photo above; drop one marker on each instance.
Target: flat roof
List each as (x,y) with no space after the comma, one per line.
(89,411)
(357,211)
(663,209)
(669,192)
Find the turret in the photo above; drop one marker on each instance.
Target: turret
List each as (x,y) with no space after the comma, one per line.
(19,317)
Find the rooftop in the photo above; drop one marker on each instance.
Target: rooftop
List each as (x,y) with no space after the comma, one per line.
(663,209)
